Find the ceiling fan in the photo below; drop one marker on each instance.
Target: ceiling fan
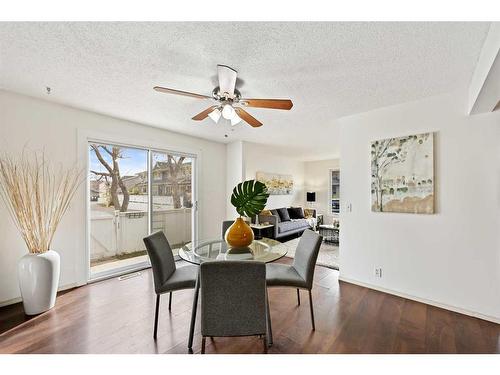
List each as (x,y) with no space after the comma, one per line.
(228,100)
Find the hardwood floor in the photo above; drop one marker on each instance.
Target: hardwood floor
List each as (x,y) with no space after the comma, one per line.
(115,316)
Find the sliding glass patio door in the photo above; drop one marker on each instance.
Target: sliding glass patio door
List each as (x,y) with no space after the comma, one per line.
(172,197)
(134,192)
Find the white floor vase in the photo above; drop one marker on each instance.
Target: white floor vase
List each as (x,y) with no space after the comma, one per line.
(38,280)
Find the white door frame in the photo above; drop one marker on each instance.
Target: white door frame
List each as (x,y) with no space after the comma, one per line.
(82,261)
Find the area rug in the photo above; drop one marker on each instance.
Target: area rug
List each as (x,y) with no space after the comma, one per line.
(328,253)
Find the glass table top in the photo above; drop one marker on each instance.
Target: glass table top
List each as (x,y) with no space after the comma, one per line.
(264,250)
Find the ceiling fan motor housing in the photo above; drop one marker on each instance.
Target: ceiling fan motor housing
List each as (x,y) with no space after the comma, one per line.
(217,95)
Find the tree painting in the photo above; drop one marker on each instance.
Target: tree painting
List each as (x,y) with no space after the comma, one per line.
(112,175)
(402,174)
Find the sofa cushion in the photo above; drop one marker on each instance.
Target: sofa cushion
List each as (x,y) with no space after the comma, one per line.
(287,226)
(283,213)
(308,213)
(296,213)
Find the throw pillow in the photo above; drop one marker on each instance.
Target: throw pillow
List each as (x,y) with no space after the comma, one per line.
(275,213)
(308,213)
(296,213)
(266,213)
(283,213)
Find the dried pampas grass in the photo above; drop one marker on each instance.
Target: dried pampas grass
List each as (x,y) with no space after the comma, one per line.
(37,195)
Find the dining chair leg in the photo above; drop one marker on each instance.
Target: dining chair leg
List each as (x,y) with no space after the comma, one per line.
(203,340)
(269,335)
(312,310)
(170,302)
(157,310)
(298,296)
(193,312)
(264,341)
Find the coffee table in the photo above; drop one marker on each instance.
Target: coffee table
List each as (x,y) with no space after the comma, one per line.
(329,233)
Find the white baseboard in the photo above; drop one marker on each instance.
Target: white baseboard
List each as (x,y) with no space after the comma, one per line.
(422,300)
(19,299)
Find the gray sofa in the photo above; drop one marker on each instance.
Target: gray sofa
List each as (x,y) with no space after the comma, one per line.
(286,228)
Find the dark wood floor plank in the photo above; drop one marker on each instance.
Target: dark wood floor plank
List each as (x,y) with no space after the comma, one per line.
(383,333)
(12,316)
(489,331)
(469,338)
(410,337)
(115,316)
(345,302)
(360,324)
(440,333)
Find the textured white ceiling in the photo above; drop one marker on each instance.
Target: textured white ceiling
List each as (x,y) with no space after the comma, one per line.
(329,70)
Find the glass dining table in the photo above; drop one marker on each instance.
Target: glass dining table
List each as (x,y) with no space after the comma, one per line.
(265,250)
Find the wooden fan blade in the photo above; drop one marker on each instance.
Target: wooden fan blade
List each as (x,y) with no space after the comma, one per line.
(227,79)
(267,103)
(179,92)
(204,114)
(247,117)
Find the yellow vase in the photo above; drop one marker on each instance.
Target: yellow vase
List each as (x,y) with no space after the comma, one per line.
(239,234)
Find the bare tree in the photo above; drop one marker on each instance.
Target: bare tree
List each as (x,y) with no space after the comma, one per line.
(175,175)
(113,173)
(386,153)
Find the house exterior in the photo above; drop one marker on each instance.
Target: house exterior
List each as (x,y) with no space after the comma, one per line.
(162,183)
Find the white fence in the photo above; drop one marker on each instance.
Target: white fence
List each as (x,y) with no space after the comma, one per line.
(141,202)
(122,233)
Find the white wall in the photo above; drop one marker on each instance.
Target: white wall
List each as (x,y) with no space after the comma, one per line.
(235,174)
(59,130)
(450,258)
(264,158)
(317,179)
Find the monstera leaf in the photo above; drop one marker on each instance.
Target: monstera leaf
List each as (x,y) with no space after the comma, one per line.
(249,197)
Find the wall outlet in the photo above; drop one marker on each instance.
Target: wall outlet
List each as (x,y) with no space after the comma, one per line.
(349,207)
(378,272)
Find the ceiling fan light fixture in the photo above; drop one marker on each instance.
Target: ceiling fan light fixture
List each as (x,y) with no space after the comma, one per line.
(215,115)
(235,119)
(228,111)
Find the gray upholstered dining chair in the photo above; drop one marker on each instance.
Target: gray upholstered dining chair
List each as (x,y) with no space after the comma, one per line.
(225,225)
(300,274)
(233,300)
(167,277)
